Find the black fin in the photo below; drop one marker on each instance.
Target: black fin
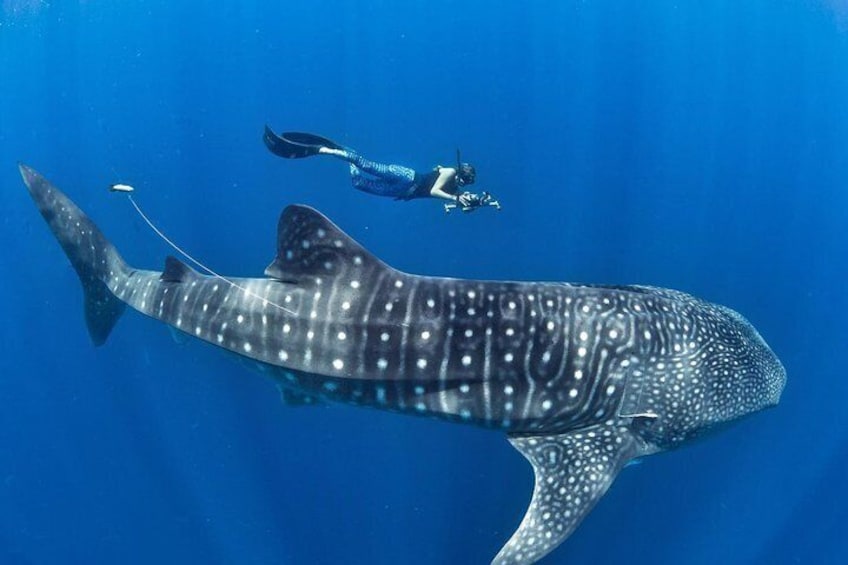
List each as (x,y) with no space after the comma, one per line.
(295,144)
(573,471)
(94,258)
(178,272)
(309,246)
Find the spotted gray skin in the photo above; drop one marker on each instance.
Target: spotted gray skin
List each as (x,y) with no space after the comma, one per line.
(582,378)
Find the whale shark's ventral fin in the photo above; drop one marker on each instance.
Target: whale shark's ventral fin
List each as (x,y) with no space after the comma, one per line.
(309,246)
(291,397)
(573,471)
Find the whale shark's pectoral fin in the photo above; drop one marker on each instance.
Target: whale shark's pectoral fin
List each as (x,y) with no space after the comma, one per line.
(573,471)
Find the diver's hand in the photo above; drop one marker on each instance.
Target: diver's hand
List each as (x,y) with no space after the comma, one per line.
(468,199)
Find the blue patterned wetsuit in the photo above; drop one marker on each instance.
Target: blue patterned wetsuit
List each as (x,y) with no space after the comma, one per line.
(388,180)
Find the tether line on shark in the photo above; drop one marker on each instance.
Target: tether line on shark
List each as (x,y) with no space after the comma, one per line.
(582,378)
(185,254)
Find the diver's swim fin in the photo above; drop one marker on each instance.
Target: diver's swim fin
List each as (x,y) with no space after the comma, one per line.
(296,145)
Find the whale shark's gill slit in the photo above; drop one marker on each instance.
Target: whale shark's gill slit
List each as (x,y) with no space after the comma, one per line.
(203,267)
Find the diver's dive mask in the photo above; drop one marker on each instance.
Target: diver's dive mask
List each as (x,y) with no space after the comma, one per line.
(465,172)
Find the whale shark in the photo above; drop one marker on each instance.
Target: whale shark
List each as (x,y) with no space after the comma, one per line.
(581,378)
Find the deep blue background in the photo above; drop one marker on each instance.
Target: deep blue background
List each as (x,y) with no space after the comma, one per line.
(703,148)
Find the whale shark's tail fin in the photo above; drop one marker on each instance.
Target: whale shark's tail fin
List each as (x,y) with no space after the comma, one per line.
(94,258)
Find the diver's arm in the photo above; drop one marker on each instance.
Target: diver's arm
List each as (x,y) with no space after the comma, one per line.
(446,175)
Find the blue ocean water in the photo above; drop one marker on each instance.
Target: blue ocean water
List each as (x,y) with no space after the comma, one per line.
(702,147)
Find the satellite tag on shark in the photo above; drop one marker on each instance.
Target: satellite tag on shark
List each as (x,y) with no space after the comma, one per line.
(581,378)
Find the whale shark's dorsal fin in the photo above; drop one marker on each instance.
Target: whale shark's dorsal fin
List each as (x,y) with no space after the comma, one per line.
(310,246)
(177,271)
(573,471)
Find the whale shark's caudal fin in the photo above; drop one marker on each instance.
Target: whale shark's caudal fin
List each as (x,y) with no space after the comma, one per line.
(573,471)
(95,260)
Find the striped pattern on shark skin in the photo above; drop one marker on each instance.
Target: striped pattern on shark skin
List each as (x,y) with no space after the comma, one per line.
(583,378)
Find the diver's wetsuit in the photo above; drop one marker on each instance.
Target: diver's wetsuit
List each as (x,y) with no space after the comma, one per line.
(388,180)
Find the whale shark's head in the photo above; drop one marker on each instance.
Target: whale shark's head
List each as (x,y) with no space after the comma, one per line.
(726,372)
(743,373)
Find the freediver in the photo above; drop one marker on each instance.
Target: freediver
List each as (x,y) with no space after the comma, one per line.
(402,183)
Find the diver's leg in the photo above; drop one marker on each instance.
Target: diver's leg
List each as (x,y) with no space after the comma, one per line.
(390,173)
(394,173)
(378,185)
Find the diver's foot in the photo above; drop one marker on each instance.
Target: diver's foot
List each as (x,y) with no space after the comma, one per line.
(330,151)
